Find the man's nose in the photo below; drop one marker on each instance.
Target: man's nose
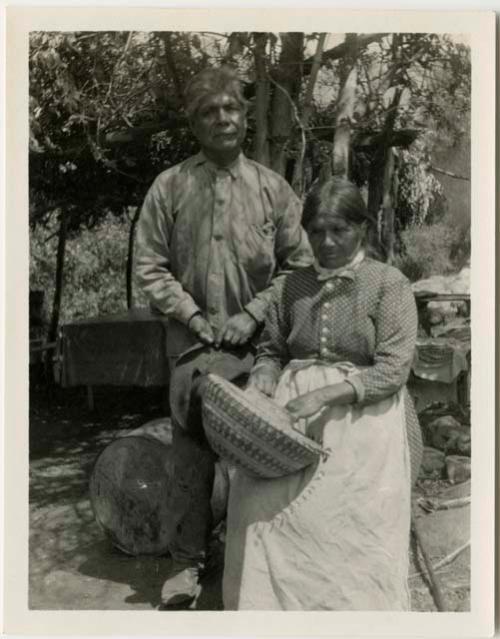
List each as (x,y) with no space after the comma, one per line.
(222,116)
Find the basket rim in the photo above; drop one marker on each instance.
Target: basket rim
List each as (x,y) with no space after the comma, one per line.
(293,435)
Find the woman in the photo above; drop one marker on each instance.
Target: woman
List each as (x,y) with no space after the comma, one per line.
(336,351)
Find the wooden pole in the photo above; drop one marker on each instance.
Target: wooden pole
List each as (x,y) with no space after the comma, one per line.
(261,143)
(435,586)
(130,256)
(388,208)
(345,108)
(56,305)
(298,169)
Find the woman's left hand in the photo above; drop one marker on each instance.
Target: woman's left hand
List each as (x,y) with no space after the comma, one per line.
(306,405)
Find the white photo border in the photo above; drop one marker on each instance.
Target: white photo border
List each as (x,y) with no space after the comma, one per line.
(18,618)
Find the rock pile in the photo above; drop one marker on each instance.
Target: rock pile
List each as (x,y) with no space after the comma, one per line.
(447,440)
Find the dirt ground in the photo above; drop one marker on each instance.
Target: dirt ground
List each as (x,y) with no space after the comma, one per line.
(74,566)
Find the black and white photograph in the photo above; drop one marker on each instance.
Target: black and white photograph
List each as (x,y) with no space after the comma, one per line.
(252,361)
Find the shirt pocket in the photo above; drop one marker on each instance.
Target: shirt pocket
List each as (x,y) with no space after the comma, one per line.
(254,251)
(267,231)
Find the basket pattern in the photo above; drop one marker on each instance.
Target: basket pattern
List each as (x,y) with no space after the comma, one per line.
(249,430)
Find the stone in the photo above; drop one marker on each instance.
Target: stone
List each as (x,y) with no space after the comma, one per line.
(458,468)
(433,463)
(449,435)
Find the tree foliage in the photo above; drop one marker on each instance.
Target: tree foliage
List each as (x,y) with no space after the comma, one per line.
(106,116)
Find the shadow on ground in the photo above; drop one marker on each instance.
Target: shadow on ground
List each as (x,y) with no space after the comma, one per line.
(73,565)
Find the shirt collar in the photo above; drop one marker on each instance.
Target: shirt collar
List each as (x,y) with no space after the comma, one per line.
(233,169)
(347,271)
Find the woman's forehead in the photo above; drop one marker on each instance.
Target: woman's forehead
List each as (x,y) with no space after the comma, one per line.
(326,216)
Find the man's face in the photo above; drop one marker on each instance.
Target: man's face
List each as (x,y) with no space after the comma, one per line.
(220,123)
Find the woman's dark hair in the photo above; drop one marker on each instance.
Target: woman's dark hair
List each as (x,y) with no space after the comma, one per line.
(341,197)
(211,81)
(337,196)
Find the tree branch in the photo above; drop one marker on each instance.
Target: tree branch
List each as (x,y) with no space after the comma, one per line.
(448,173)
(341,49)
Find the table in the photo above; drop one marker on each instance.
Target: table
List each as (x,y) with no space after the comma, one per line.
(125,349)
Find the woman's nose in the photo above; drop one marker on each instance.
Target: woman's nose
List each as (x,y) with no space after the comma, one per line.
(329,239)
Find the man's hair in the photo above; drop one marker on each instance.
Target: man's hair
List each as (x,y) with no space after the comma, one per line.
(211,82)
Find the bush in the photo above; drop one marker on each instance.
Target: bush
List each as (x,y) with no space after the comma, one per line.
(94,280)
(436,249)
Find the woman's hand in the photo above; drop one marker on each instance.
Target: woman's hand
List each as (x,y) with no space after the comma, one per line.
(310,403)
(306,405)
(264,380)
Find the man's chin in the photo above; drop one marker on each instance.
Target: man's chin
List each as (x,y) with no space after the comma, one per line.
(229,143)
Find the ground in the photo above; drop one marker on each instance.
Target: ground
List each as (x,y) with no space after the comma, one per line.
(74,566)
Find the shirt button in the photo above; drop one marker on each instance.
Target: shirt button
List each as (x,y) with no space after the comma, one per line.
(323,339)
(329,285)
(327,305)
(324,317)
(325,329)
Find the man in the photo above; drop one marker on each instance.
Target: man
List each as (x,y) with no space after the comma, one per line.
(214,233)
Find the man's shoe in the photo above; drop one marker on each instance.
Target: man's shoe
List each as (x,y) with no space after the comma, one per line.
(181,587)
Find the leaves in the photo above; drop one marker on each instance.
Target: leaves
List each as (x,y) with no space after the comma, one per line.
(106,116)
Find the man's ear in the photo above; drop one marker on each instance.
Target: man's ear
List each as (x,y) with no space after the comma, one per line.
(192,125)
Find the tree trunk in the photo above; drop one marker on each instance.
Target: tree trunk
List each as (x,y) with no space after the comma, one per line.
(345,109)
(376,181)
(56,305)
(298,170)
(381,163)
(387,231)
(261,143)
(166,36)
(287,78)
(130,256)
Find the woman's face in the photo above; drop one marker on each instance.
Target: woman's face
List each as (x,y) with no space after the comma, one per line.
(333,239)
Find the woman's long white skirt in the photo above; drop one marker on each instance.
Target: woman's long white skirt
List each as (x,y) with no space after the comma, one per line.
(334,536)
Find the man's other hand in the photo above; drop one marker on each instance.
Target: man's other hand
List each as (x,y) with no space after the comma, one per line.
(237,330)
(202,329)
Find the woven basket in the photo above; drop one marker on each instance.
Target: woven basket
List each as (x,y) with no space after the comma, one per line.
(251,431)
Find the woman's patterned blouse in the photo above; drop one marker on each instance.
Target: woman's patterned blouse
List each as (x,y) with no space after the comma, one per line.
(365,315)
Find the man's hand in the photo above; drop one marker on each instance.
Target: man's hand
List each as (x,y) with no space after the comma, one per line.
(237,330)
(264,380)
(202,329)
